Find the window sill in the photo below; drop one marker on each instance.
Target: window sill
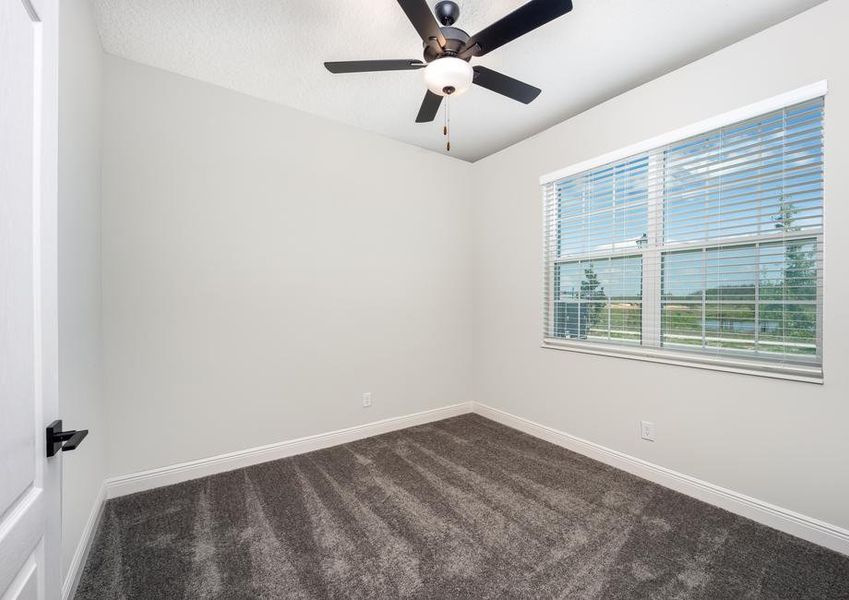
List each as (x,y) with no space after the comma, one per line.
(792,372)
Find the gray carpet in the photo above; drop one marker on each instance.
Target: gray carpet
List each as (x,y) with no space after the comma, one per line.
(462,508)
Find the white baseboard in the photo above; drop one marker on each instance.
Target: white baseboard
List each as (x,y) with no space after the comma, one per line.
(75,569)
(808,528)
(154,478)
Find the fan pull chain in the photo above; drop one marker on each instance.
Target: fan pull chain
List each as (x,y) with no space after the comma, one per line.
(445,130)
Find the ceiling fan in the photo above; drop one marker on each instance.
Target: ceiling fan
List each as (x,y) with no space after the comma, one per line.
(448,50)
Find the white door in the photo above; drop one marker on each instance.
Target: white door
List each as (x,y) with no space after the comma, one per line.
(29,482)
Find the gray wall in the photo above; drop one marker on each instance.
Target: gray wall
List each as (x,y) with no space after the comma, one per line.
(263,267)
(778,441)
(80,398)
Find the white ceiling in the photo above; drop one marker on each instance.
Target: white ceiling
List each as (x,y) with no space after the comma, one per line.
(274,49)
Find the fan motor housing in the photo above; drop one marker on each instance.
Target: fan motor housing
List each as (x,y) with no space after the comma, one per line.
(455,40)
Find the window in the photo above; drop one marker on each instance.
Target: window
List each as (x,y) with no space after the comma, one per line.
(704,249)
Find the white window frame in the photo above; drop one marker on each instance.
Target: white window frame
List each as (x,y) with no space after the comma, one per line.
(652,254)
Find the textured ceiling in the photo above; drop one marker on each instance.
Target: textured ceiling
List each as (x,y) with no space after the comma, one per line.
(274,49)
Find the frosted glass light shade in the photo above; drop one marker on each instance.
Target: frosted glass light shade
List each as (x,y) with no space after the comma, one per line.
(448,76)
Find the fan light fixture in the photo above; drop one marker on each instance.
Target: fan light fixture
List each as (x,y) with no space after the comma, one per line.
(448,76)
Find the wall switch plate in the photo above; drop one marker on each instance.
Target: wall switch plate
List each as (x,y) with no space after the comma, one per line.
(647,430)
(366,399)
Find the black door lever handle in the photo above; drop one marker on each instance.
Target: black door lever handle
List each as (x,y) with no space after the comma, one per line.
(58,440)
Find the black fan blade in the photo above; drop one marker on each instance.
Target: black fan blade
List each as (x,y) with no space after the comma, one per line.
(504,85)
(430,105)
(519,22)
(423,20)
(365,66)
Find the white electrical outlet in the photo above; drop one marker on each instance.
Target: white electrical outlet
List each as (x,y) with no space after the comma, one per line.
(647,430)
(366,399)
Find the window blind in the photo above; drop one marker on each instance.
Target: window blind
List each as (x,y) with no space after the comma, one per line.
(706,250)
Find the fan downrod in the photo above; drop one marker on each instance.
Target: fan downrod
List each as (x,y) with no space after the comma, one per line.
(447,12)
